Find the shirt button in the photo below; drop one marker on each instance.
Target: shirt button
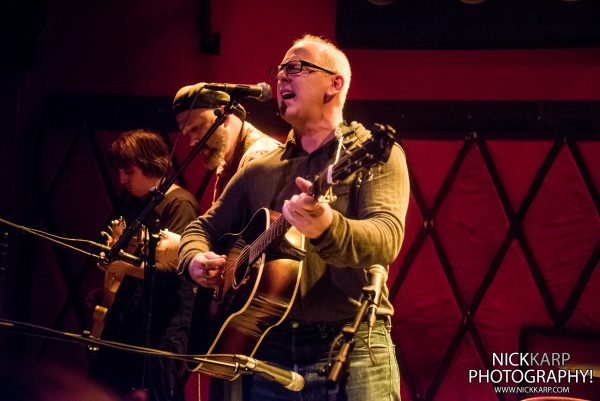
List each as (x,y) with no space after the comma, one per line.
(294,325)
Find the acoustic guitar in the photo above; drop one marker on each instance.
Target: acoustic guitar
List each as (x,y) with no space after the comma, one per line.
(112,280)
(263,270)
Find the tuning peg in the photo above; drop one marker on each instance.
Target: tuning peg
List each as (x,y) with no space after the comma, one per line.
(390,129)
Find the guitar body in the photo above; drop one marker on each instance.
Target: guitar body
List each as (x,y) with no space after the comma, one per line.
(112,282)
(255,296)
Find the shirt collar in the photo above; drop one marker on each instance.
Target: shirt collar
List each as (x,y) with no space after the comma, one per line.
(349,135)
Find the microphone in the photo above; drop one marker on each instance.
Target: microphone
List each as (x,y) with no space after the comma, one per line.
(122,255)
(377,279)
(260,91)
(288,379)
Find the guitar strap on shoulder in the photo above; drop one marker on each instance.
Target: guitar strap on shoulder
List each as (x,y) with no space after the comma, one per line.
(355,134)
(329,197)
(349,137)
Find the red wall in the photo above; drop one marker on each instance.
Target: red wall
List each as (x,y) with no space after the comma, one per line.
(151,48)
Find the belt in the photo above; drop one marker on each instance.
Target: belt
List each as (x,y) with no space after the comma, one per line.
(336,325)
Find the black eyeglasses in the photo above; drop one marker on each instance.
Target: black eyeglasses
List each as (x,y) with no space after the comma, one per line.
(295,67)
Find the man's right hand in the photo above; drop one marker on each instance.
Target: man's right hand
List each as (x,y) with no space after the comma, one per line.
(207,269)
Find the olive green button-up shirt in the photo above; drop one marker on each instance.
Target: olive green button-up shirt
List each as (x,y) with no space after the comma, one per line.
(367,228)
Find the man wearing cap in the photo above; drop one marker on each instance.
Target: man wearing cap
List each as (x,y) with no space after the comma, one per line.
(233,144)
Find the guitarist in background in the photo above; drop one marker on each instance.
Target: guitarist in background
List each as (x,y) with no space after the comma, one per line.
(141,157)
(360,224)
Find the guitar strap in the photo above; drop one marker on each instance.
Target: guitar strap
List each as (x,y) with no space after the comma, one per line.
(280,185)
(354,136)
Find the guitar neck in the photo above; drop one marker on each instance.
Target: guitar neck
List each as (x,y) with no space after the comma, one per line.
(280,226)
(275,231)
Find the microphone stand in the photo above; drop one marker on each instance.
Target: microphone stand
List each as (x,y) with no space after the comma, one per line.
(239,364)
(3,258)
(348,332)
(92,342)
(148,293)
(67,243)
(158,194)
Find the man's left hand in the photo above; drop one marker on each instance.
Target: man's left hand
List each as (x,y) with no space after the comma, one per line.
(302,211)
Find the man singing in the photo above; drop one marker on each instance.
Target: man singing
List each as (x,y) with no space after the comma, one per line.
(359,225)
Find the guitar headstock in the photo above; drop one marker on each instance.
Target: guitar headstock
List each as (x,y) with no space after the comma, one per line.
(374,150)
(383,137)
(114,231)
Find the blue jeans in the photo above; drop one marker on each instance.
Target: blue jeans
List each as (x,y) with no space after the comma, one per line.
(304,348)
